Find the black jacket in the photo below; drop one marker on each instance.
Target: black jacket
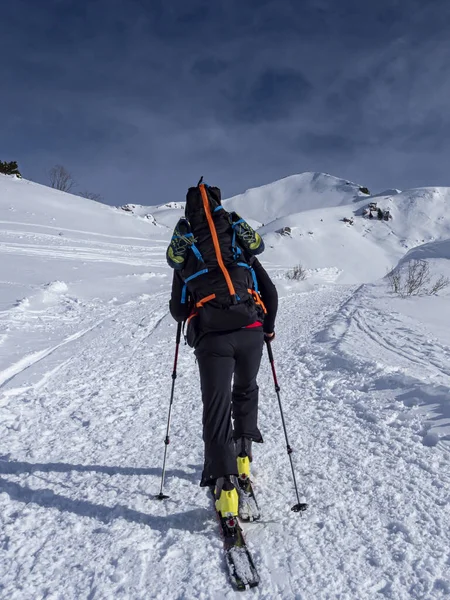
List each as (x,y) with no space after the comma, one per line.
(269,296)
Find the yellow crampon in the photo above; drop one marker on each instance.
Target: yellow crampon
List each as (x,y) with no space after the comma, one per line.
(243,465)
(228,503)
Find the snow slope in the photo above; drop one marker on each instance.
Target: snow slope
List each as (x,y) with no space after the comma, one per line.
(165,215)
(86,355)
(266,203)
(294,194)
(366,250)
(65,255)
(313,206)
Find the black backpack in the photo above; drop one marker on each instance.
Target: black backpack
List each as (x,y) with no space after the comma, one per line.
(218,277)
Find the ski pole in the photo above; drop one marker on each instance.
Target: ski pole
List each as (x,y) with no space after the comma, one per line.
(300,506)
(162,496)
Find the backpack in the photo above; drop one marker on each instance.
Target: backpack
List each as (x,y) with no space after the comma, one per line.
(215,250)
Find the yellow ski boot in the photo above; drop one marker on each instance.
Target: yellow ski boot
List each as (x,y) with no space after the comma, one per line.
(227,498)
(244,458)
(243,465)
(248,507)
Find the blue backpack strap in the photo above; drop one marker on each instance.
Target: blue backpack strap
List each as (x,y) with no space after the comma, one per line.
(183,294)
(201,272)
(195,250)
(255,281)
(193,247)
(198,254)
(184,290)
(236,250)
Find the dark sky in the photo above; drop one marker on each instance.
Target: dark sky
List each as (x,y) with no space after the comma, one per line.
(138,98)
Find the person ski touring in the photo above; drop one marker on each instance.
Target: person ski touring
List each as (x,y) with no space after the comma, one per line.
(228,303)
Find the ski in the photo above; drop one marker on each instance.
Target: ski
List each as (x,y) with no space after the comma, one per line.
(241,568)
(248,506)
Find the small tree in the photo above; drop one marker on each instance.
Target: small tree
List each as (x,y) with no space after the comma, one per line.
(414,279)
(298,273)
(91,196)
(395,279)
(417,278)
(61,179)
(9,168)
(440,283)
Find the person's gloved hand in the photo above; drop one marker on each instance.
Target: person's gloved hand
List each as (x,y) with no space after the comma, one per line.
(269,337)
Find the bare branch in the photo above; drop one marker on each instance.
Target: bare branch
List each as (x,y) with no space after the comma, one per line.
(414,279)
(440,284)
(61,179)
(91,196)
(394,279)
(417,277)
(298,273)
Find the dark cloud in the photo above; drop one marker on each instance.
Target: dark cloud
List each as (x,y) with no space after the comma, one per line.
(210,66)
(318,144)
(243,92)
(274,95)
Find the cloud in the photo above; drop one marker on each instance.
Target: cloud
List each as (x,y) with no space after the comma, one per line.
(209,66)
(273,95)
(318,144)
(243,92)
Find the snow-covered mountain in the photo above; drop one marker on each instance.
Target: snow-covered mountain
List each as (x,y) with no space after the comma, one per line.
(311,207)
(294,194)
(266,203)
(365,250)
(86,359)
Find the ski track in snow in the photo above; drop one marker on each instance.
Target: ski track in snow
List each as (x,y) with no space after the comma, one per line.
(80,231)
(8,374)
(81,450)
(375,532)
(142,255)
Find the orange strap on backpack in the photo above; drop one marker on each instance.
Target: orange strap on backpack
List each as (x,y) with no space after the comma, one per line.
(203,301)
(217,250)
(257,299)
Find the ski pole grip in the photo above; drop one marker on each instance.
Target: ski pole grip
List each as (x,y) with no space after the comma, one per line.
(179,333)
(269,350)
(177,346)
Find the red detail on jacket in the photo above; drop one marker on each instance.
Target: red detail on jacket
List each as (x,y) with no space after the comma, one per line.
(255,324)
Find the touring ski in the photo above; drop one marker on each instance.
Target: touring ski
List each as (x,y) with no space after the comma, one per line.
(248,506)
(241,568)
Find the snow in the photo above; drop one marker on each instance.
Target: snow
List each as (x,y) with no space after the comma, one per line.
(86,357)
(292,194)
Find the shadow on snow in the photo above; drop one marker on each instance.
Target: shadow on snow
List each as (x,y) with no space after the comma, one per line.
(193,520)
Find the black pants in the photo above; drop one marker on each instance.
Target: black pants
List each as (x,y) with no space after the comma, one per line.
(220,356)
